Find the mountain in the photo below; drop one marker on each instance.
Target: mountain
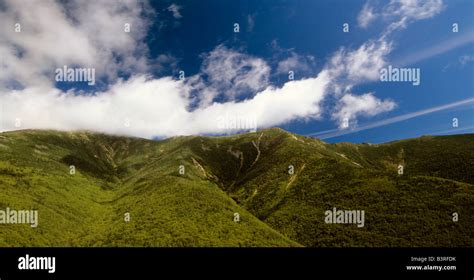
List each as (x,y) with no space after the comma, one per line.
(268,188)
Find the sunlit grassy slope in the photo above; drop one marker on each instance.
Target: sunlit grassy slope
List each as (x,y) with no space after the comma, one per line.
(246,174)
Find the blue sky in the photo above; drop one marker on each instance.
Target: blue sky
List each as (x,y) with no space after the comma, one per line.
(243,72)
(315,28)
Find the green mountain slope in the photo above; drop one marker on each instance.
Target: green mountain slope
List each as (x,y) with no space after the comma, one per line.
(115,176)
(279,183)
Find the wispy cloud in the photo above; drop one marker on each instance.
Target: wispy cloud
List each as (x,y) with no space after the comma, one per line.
(174,9)
(465,59)
(438,49)
(399,13)
(366,16)
(350,107)
(339,132)
(229,74)
(407,11)
(296,63)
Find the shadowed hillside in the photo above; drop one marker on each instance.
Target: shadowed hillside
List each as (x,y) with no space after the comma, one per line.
(186,191)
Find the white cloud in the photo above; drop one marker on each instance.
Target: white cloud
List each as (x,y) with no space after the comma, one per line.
(296,63)
(348,68)
(275,106)
(351,67)
(351,106)
(399,12)
(413,9)
(465,59)
(146,104)
(173,8)
(406,11)
(155,107)
(287,59)
(366,16)
(91,34)
(229,74)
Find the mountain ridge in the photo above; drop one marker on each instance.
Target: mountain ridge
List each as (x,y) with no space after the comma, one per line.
(279,183)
